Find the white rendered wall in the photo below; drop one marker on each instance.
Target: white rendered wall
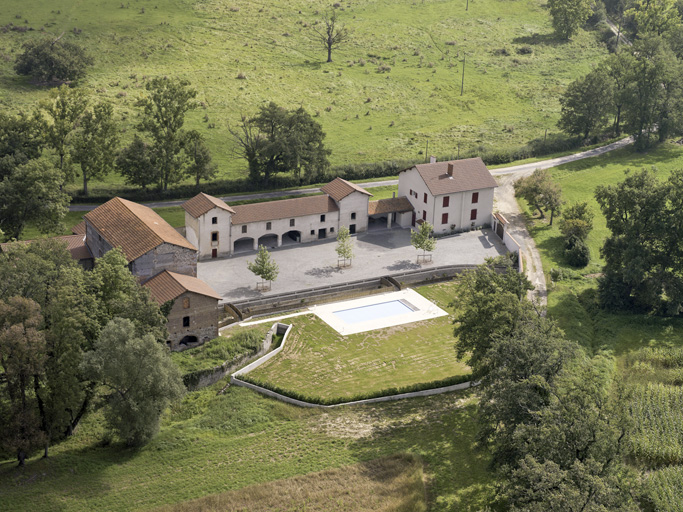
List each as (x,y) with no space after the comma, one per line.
(202,228)
(357,203)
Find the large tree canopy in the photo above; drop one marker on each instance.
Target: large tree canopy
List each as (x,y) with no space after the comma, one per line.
(51,60)
(569,15)
(277,140)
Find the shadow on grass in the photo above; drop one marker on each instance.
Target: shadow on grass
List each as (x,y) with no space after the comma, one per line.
(540,39)
(442,432)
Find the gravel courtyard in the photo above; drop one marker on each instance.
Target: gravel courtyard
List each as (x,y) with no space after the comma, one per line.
(377,253)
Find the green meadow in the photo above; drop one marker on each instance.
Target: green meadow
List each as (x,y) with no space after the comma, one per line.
(395,87)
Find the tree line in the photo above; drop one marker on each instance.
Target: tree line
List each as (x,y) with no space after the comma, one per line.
(550,415)
(639,88)
(73,341)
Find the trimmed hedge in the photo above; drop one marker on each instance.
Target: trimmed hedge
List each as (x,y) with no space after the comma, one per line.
(539,147)
(459,379)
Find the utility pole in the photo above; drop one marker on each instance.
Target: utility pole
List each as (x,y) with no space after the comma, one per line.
(427,151)
(467,8)
(545,136)
(462,85)
(458,151)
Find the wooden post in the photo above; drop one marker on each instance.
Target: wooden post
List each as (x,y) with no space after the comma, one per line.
(467,8)
(427,151)
(462,85)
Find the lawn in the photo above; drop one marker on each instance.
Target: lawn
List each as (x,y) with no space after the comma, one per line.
(216,443)
(395,87)
(318,362)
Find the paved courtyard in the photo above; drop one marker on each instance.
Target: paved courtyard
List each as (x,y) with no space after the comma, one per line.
(377,253)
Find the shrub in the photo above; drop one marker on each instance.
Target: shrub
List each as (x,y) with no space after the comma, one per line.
(577,253)
(48,60)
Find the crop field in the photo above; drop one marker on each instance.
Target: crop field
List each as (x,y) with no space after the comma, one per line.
(392,89)
(665,489)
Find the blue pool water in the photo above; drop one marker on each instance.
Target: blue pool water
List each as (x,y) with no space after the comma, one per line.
(373,312)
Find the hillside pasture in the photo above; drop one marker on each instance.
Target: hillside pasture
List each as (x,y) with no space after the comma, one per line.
(395,87)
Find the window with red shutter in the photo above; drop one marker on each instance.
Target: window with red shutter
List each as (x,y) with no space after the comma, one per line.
(425,198)
(444,218)
(446,201)
(473,214)
(475,197)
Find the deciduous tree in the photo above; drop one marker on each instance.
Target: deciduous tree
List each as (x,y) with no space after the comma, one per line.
(140,376)
(569,15)
(22,357)
(277,140)
(540,191)
(64,109)
(95,143)
(263,266)
(21,140)
(344,244)
(32,194)
(163,117)
(422,239)
(330,32)
(587,103)
(52,60)
(200,166)
(655,16)
(135,164)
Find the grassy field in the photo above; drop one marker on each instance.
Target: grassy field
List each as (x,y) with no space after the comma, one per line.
(389,484)
(213,444)
(319,362)
(392,88)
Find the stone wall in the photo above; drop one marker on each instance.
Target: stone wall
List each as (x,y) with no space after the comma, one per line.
(203,318)
(96,243)
(165,257)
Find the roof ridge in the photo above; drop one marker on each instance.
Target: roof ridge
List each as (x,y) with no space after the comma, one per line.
(127,203)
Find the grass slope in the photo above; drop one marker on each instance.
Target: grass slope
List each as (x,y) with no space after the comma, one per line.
(515,69)
(319,362)
(390,484)
(212,444)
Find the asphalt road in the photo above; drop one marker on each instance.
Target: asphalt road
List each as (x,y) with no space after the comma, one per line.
(521,169)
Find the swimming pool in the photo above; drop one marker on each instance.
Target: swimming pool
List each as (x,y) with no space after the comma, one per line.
(373,312)
(377,312)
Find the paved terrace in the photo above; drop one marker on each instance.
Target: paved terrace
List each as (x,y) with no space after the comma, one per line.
(377,253)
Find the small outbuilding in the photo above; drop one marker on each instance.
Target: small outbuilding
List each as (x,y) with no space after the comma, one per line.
(194,313)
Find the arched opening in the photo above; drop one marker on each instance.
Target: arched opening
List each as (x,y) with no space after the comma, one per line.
(243,245)
(291,237)
(269,241)
(188,340)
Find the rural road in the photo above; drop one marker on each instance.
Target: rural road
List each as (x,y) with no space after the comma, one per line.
(505,203)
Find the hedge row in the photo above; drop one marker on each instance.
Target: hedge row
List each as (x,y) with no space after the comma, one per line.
(553,144)
(358,396)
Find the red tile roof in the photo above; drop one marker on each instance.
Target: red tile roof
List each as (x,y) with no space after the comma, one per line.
(79,229)
(338,189)
(167,286)
(202,203)
(394,205)
(283,209)
(133,227)
(469,174)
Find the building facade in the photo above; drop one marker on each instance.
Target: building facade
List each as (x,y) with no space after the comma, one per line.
(452,196)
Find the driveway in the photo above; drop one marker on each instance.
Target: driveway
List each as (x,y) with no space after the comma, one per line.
(377,253)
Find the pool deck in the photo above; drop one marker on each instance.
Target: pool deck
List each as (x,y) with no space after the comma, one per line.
(424,310)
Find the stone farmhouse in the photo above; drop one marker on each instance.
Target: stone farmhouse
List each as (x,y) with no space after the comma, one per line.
(193,318)
(219,230)
(451,196)
(163,260)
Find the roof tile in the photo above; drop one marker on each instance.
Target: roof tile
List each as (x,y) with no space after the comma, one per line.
(468,174)
(202,203)
(167,286)
(339,188)
(393,205)
(283,209)
(135,228)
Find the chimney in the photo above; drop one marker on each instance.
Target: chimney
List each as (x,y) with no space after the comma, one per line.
(432,159)
(450,170)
